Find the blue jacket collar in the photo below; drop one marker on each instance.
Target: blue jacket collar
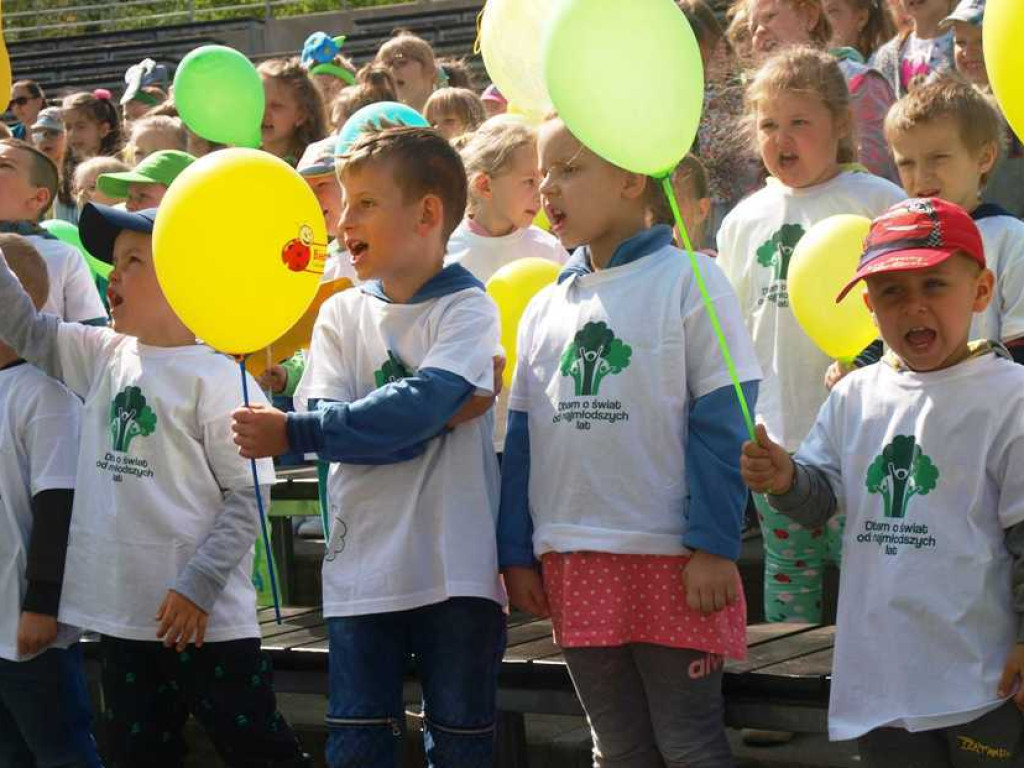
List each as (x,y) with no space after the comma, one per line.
(451,279)
(988,210)
(642,244)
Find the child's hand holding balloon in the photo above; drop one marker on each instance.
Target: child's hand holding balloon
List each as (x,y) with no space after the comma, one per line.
(766,467)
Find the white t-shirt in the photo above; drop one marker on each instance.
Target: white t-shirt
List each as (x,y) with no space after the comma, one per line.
(421,531)
(73,295)
(156,459)
(609,365)
(483,256)
(755,244)
(39,422)
(1003,320)
(927,469)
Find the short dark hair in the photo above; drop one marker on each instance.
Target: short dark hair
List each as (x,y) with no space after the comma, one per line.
(41,173)
(34,89)
(425,164)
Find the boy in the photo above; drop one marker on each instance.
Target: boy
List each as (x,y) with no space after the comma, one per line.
(411,565)
(145,186)
(945,136)
(28,185)
(923,451)
(161,540)
(44,706)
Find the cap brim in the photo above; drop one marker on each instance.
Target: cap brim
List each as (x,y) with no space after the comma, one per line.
(900,261)
(967,17)
(116,184)
(317,170)
(99,226)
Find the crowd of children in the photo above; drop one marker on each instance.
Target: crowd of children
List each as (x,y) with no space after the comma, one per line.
(608,487)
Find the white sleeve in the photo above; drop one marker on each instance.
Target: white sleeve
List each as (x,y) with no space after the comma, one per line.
(81,298)
(822,446)
(468,338)
(51,439)
(85,353)
(324,378)
(706,369)
(1010,286)
(519,394)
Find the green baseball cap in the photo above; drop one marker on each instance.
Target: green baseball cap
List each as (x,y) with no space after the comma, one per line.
(161,167)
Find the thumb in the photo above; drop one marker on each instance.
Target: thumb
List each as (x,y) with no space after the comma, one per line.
(761,433)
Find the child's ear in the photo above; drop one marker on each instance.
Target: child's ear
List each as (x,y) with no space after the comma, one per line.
(871,307)
(984,290)
(481,184)
(704,208)
(41,198)
(431,213)
(987,157)
(633,185)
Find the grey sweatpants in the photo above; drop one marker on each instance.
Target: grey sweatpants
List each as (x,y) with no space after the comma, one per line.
(994,740)
(652,707)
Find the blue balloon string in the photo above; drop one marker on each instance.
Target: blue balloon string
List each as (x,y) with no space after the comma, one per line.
(263,515)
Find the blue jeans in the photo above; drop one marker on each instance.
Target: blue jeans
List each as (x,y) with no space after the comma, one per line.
(457,644)
(45,712)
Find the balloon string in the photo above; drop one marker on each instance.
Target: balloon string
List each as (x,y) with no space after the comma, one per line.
(666,183)
(263,516)
(479,31)
(321,486)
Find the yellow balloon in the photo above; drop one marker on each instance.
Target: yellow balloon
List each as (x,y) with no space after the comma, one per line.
(5,68)
(823,262)
(512,287)
(239,247)
(1004,58)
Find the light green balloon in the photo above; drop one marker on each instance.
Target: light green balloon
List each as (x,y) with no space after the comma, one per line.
(67,232)
(219,95)
(627,79)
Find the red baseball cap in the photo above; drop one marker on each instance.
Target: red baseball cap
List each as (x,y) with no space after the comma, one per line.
(917,234)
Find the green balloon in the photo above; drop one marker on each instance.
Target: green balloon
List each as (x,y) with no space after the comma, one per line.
(627,79)
(67,232)
(219,95)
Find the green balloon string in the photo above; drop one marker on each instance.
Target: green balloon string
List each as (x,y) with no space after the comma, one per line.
(666,184)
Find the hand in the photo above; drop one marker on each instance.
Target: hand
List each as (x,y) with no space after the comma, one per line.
(766,467)
(181,620)
(526,591)
(1013,672)
(478,405)
(274,379)
(711,583)
(35,632)
(260,431)
(835,374)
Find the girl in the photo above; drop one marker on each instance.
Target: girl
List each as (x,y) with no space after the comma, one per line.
(777,24)
(86,174)
(27,101)
(919,51)
(91,127)
(800,113)
(330,70)
(454,111)
(618,468)
(151,134)
(417,72)
(863,25)
(693,193)
(294,116)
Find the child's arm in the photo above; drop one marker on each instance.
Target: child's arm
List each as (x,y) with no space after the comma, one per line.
(47,548)
(31,334)
(1013,673)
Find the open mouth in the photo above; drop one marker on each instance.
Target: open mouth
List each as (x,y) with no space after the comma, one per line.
(928,193)
(920,339)
(356,250)
(556,217)
(114,299)
(788,160)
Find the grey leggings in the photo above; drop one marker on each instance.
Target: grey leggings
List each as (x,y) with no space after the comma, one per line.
(652,707)
(994,740)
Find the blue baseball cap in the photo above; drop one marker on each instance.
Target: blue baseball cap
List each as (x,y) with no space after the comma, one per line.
(99,226)
(968,11)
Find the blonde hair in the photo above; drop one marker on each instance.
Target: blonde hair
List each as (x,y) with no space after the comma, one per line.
(291,73)
(27,265)
(808,72)
(821,33)
(163,123)
(448,71)
(951,97)
(489,150)
(95,165)
(460,102)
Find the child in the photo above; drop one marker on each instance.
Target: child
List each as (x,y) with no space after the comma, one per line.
(294,116)
(146,186)
(776,24)
(169,590)
(331,71)
(47,135)
(945,135)
(29,183)
(690,184)
(91,127)
(411,565)
(43,701)
(152,134)
(922,451)
(86,177)
(617,471)
(494,102)
(801,116)
(454,111)
(27,101)
(913,55)
(145,86)
(861,25)
(416,71)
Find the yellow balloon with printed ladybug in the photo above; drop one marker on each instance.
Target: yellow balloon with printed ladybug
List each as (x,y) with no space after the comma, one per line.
(5,67)
(239,247)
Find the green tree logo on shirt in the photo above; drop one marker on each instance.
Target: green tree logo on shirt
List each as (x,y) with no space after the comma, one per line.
(130,417)
(393,370)
(776,252)
(901,472)
(594,353)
